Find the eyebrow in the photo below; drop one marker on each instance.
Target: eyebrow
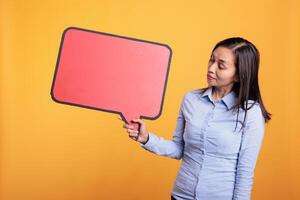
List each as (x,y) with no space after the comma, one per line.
(221,60)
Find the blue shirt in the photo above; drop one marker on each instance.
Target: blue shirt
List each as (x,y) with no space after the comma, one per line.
(217,161)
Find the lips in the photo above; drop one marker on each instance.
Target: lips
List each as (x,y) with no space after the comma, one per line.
(210,77)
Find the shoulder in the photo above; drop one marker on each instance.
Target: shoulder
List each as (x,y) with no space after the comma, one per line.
(190,96)
(254,108)
(190,99)
(254,114)
(193,94)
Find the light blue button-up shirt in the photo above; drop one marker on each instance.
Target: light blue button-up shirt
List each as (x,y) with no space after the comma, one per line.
(218,161)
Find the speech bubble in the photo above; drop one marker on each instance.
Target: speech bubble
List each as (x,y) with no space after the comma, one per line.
(111,73)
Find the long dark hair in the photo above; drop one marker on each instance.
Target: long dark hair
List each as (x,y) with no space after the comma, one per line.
(247,59)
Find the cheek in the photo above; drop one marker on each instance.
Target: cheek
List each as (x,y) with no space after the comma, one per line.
(225,76)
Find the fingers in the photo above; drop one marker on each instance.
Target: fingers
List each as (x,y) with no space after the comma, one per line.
(134,138)
(134,120)
(139,121)
(127,126)
(133,134)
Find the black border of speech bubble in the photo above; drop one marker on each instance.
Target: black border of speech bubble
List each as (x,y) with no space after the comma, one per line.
(101,109)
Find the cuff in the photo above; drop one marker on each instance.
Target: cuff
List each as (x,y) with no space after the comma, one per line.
(151,141)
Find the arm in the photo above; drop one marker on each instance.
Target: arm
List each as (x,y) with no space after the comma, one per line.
(169,148)
(250,147)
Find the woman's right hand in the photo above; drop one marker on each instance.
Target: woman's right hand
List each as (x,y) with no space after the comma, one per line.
(141,136)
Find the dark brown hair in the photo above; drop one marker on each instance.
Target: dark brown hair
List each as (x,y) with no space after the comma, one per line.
(247,60)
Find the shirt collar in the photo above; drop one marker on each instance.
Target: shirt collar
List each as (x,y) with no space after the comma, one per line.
(229,99)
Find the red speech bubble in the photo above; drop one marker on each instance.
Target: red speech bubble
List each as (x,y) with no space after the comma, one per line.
(111,73)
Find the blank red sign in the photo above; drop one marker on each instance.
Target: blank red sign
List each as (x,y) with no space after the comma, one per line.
(111,73)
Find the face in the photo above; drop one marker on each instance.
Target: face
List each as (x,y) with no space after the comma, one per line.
(221,69)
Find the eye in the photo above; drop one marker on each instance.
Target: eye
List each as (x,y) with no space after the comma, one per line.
(221,66)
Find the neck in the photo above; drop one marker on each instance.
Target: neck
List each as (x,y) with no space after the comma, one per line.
(220,92)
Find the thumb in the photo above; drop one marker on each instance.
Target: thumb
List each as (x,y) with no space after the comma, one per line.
(138,120)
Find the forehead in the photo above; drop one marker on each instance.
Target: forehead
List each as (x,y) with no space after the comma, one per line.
(225,54)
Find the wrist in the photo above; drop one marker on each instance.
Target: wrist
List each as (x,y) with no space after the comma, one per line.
(146,140)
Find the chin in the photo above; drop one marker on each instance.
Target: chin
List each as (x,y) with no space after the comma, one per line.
(210,84)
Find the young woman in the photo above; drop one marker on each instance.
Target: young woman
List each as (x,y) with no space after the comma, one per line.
(219,128)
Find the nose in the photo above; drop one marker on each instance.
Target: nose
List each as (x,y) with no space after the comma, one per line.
(212,67)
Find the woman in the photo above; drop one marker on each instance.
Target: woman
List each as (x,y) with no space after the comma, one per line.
(219,128)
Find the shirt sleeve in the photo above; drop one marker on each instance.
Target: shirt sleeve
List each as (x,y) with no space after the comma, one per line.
(249,150)
(169,148)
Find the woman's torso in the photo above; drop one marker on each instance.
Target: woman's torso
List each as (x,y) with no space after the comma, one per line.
(211,147)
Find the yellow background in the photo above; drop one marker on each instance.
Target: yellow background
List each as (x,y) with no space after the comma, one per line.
(50,151)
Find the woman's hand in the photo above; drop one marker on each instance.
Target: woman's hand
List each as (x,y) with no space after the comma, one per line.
(139,136)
